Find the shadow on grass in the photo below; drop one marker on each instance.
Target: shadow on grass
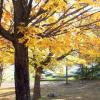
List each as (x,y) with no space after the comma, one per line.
(7,93)
(3,98)
(7,88)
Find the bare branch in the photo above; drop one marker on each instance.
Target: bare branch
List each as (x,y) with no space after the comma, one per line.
(65,1)
(45,2)
(65,15)
(37,4)
(88,24)
(83,18)
(40,19)
(40,11)
(62,17)
(50,31)
(78,15)
(64,55)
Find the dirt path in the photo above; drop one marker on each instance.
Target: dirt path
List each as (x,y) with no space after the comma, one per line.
(74,91)
(89,90)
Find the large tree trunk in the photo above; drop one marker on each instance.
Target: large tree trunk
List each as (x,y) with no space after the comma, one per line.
(37,89)
(21,72)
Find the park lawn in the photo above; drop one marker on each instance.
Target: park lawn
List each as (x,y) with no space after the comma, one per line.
(89,90)
(7,93)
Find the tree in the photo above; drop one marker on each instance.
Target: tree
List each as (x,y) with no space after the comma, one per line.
(54,44)
(23,20)
(45,54)
(21,51)
(6,55)
(40,60)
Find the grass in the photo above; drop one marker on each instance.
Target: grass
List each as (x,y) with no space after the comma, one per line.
(90,90)
(7,93)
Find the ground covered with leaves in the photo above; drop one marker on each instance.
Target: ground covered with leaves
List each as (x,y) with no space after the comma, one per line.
(58,90)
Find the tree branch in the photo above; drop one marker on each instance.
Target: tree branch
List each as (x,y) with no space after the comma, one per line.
(40,11)
(50,31)
(6,34)
(64,55)
(85,25)
(47,60)
(40,19)
(62,17)
(29,8)
(65,15)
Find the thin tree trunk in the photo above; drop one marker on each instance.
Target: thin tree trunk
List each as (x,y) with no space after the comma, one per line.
(92,74)
(37,89)
(1,73)
(86,72)
(21,72)
(66,75)
(83,79)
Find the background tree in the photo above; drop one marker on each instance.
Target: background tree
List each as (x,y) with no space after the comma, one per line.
(41,60)
(1,72)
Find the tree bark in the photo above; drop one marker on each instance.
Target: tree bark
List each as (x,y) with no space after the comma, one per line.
(66,75)
(21,72)
(1,73)
(37,89)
